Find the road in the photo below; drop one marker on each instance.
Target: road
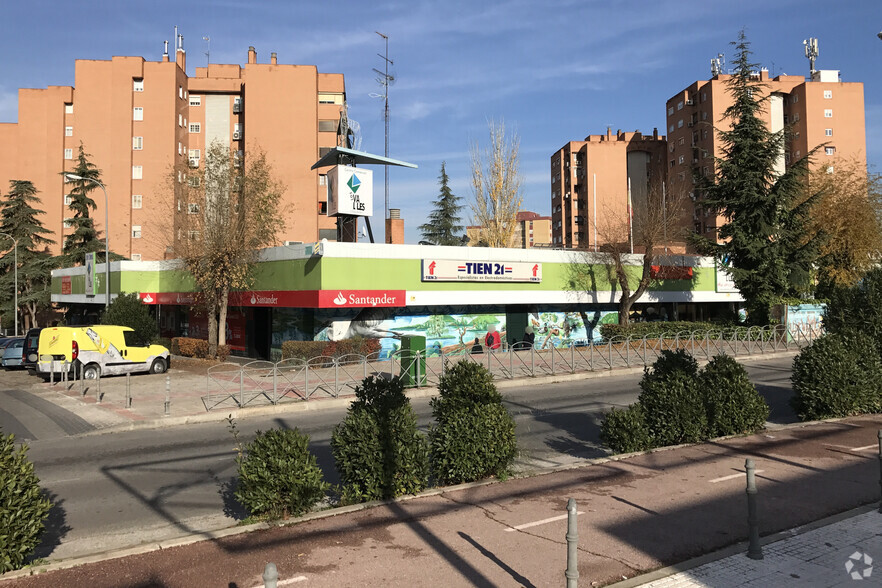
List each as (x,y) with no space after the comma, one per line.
(121,489)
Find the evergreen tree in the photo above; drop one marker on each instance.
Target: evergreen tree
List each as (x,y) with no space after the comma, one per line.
(762,239)
(84,238)
(19,218)
(444,219)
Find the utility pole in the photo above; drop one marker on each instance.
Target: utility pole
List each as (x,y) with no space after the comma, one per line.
(385,80)
(207,39)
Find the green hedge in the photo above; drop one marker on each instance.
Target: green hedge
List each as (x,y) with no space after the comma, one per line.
(307,350)
(474,435)
(680,404)
(23,507)
(671,328)
(837,375)
(278,477)
(377,449)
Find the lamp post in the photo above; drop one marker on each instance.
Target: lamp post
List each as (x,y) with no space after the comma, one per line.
(75,178)
(15,268)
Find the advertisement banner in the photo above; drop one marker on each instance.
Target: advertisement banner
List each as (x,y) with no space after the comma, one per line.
(90,274)
(350,191)
(65,285)
(361,298)
(446,270)
(725,283)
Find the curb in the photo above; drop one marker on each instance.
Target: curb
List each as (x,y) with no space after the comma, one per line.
(342,510)
(331,403)
(740,547)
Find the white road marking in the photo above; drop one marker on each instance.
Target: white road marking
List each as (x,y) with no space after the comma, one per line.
(542,522)
(732,477)
(285,582)
(867,448)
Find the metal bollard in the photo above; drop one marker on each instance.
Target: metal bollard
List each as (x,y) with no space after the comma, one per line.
(167,393)
(52,373)
(98,382)
(63,378)
(128,390)
(754,550)
(880,468)
(270,576)
(572,571)
(82,377)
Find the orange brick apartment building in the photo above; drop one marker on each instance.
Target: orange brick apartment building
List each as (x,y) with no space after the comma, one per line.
(141,119)
(590,177)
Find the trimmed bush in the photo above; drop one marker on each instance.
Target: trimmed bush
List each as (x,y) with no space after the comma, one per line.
(127,310)
(23,507)
(307,350)
(223,352)
(190,347)
(731,401)
(858,308)
(625,431)
(474,435)
(377,449)
(672,408)
(657,328)
(303,349)
(837,375)
(278,476)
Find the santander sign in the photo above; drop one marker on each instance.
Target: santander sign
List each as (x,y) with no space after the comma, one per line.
(361,298)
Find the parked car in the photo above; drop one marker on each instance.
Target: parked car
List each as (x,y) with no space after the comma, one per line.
(4,341)
(29,353)
(12,353)
(99,350)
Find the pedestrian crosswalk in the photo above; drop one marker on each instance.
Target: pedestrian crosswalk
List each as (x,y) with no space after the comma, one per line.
(30,417)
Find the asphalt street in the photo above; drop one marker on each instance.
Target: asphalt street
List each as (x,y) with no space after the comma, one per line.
(120,489)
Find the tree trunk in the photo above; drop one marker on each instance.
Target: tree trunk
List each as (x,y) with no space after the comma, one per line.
(212,324)
(222,322)
(629,298)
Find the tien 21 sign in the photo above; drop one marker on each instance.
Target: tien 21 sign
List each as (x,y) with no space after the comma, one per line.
(446,270)
(350,191)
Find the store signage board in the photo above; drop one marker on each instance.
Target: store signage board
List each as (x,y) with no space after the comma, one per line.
(350,191)
(447,270)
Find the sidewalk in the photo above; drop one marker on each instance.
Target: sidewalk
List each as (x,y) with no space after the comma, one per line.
(836,554)
(638,513)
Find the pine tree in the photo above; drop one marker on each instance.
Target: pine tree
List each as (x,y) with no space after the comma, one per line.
(84,238)
(444,220)
(19,218)
(762,239)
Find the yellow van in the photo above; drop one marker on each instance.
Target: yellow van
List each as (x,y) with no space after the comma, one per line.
(100,350)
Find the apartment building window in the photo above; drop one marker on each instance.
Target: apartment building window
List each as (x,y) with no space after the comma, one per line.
(136,231)
(68,153)
(138,113)
(829,169)
(193,235)
(138,84)
(680,160)
(68,131)
(67,200)
(137,172)
(828,94)
(180,120)
(828,113)
(68,108)
(324,151)
(795,98)
(671,129)
(680,124)
(703,96)
(704,116)
(180,176)
(195,100)
(828,132)
(330,98)
(195,153)
(68,223)
(192,208)
(180,148)
(681,141)
(670,110)
(137,143)
(193,182)
(830,150)
(137,200)
(181,92)
(328,126)
(185,123)
(673,163)
(136,257)
(795,117)
(323,179)
(195,127)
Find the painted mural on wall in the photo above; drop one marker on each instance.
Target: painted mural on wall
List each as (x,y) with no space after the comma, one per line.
(806,317)
(456,333)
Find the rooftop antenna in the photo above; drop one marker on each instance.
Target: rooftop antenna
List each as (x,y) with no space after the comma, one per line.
(718,63)
(165,48)
(207,39)
(811,52)
(385,80)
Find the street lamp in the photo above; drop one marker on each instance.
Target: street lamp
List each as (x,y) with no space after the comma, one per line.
(75,178)
(15,267)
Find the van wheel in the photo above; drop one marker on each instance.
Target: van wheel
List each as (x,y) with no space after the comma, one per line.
(91,372)
(158,366)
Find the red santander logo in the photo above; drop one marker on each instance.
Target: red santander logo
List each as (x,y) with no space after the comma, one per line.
(361,298)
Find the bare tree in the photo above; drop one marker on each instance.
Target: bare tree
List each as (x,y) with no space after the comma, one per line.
(226,211)
(496,183)
(648,232)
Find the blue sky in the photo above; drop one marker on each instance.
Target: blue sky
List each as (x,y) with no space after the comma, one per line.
(555,71)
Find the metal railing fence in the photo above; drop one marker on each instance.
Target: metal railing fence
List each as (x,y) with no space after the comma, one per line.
(293,380)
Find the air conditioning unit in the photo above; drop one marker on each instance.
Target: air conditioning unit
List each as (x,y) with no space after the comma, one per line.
(237,106)
(237,135)
(690,102)
(194,162)
(690,124)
